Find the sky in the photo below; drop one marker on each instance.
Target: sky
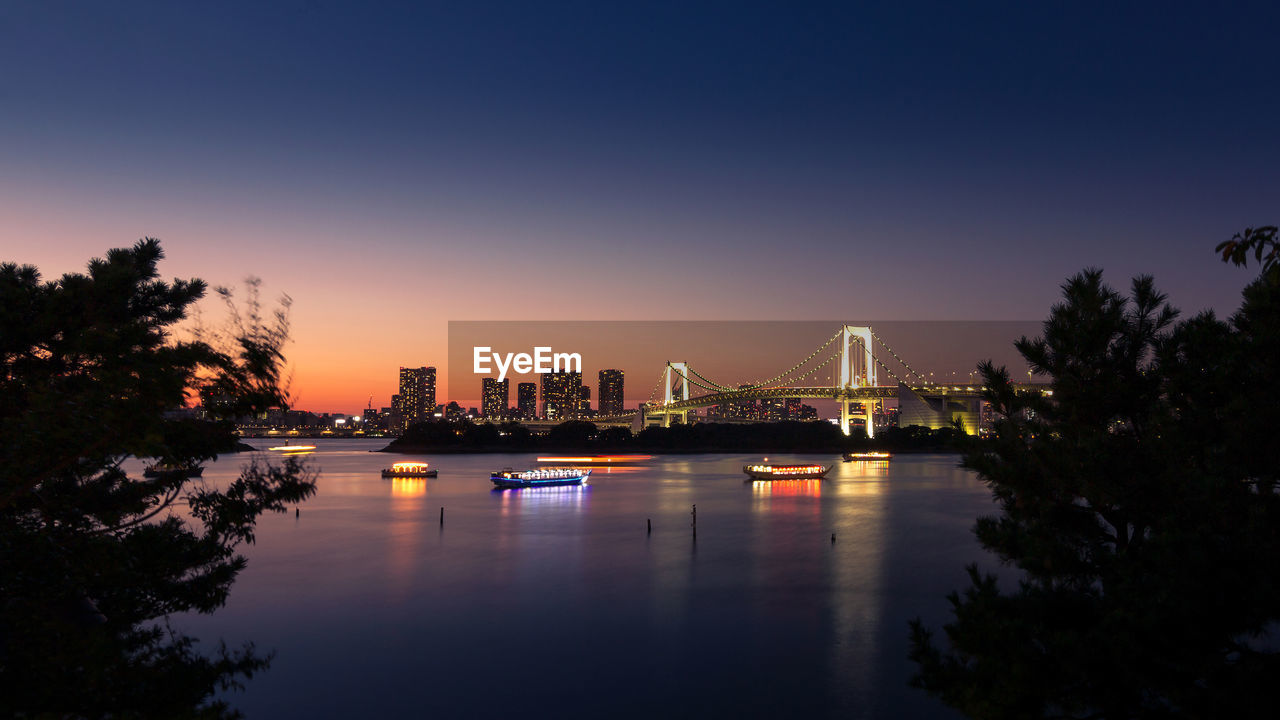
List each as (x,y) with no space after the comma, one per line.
(396,166)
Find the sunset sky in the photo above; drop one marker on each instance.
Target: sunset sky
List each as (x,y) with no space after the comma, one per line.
(396,167)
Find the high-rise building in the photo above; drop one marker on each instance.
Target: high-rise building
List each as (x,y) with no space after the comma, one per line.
(770,410)
(560,394)
(743,409)
(609,400)
(495,397)
(417,394)
(395,414)
(527,400)
(584,400)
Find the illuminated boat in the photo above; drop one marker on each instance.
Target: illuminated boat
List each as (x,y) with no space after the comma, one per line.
(542,477)
(785,472)
(164,470)
(599,460)
(288,448)
(851,456)
(409,470)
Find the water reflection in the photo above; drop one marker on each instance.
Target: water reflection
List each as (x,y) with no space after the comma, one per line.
(408,487)
(770,617)
(560,496)
(858,519)
(405,532)
(789,488)
(866,468)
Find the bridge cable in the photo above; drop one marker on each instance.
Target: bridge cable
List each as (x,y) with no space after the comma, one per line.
(910,370)
(762,383)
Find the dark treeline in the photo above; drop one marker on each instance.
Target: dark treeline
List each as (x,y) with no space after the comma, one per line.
(582,436)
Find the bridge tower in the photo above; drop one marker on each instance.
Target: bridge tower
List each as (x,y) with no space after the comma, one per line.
(681,372)
(857,369)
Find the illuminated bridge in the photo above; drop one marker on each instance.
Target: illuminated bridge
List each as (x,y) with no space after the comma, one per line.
(855,386)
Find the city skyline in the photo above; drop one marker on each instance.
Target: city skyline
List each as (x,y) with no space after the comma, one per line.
(712,162)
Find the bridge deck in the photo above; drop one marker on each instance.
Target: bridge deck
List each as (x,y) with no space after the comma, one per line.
(878,392)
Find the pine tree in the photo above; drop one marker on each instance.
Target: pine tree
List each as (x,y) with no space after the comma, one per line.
(93,561)
(1138,510)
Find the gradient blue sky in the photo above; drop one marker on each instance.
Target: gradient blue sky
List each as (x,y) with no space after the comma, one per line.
(396,166)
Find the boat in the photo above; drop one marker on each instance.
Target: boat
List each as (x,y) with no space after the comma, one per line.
(165,470)
(762,471)
(851,456)
(542,477)
(409,470)
(599,460)
(288,448)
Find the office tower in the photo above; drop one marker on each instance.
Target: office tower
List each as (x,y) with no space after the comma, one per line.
(495,397)
(527,400)
(609,399)
(584,399)
(560,394)
(417,394)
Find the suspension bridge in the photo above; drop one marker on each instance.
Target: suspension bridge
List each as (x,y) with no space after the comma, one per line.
(855,380)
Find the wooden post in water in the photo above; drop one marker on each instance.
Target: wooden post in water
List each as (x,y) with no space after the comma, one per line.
(441,516)
(695,522)
(650,523)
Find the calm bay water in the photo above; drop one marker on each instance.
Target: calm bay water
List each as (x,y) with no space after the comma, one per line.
(556,602)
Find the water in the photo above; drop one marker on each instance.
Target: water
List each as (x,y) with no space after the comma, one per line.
(556,602)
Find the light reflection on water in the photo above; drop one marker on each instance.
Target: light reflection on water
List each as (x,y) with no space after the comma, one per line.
(376,607)
(408,487)
(557,496)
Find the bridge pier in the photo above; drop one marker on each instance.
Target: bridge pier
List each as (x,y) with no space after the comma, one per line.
(868,413)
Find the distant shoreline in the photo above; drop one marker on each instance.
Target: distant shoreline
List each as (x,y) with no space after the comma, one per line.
(421,450)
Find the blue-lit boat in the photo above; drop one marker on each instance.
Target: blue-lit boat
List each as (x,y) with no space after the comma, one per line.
(542,477)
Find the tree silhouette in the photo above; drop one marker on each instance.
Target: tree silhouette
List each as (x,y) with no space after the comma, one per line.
(1138,505)
(92,560)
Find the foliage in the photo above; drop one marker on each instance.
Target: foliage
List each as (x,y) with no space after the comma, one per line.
(1261,242)
(1138,505)
(93,561)
(572,433)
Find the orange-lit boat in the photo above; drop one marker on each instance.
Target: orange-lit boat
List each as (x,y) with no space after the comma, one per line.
(761,471)
(851,456)
(409,470)
(597,460)
(289,448)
